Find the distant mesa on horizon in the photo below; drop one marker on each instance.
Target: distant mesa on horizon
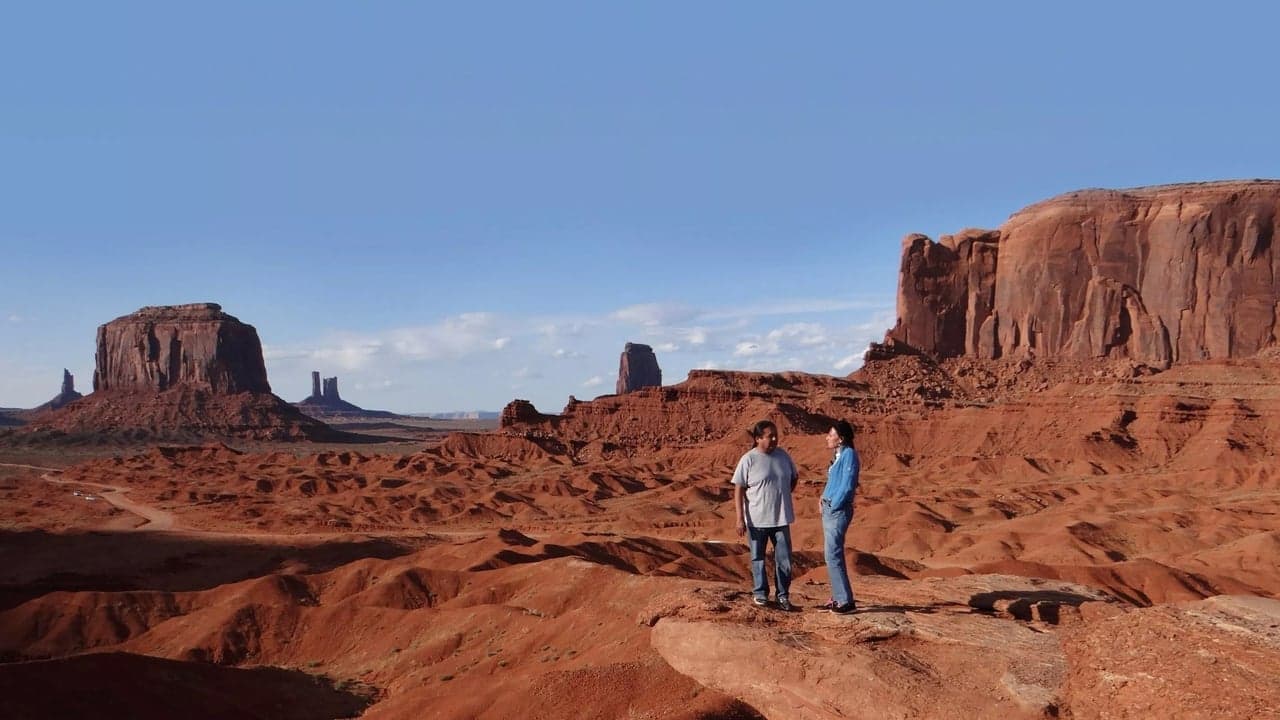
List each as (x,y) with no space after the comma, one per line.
(180,371)
(465,415)
(637,368)
(1160,275)
(324,399)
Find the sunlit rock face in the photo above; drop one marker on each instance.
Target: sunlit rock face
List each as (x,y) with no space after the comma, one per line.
(1160,275)
(637,368)
(197,345)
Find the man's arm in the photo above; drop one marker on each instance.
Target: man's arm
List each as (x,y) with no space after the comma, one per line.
(739,504)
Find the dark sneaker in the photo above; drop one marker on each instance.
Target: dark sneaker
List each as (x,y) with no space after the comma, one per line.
(785,605)
(760,601)
(845,609)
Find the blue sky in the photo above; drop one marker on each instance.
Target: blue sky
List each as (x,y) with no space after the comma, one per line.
(449,207)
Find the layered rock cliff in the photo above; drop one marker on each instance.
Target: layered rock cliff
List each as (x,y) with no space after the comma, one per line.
(637,368)
(195,345)
(1161,275)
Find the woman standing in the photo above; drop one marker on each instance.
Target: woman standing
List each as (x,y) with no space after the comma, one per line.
(762,485)
(837,512)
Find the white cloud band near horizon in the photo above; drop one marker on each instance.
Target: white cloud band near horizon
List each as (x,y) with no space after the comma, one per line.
(495,357)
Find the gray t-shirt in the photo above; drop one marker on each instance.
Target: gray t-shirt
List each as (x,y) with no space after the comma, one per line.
(767,479)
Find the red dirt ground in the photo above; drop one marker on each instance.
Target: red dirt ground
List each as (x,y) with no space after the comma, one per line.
(1029,542)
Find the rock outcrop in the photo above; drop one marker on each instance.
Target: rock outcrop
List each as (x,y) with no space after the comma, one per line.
(180,372)
(520,413)
(65,396)
(324,400)
(711,406)
(195,345)
(1159,275)
(325,396)
(638,368)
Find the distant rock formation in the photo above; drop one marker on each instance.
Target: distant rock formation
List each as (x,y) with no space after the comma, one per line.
(67,395)
(638,368)
(466,415)
(195,345)
(326,395)
(180,371)
(1160,275)
(324,399)
(519,413)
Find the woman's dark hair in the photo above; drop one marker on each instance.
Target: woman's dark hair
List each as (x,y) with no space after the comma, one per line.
(757,431)
(845,431)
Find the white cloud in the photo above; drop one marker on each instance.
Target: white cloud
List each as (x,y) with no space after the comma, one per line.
(15,318)
(453,337)
(810,306)
(554,329)
(351,355)
(848,362)
(696,336)
(655,314)
(466,360)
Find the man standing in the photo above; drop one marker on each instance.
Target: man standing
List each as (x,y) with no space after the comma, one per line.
(762,486)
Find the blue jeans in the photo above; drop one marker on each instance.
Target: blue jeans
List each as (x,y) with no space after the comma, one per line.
(758,540)
(835,523)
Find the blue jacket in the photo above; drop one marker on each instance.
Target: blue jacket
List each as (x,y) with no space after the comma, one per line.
(842,478)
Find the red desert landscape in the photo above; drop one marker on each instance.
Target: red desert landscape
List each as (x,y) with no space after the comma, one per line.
(1069,507)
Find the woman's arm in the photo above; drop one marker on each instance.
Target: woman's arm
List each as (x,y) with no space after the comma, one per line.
(840,484)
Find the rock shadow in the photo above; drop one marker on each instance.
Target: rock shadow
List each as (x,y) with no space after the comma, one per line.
(138,687)
(36,562)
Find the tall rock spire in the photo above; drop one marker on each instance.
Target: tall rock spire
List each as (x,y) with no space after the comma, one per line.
(638,368)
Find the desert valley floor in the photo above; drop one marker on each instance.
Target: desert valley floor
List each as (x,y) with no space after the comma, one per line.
(1028,542)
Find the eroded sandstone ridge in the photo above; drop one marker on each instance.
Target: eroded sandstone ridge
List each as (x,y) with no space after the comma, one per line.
(637,368)
(1160,275)
(196,345)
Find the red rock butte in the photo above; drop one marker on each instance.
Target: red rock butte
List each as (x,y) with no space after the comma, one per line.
(1161,275)
(197,345)
(181,371)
